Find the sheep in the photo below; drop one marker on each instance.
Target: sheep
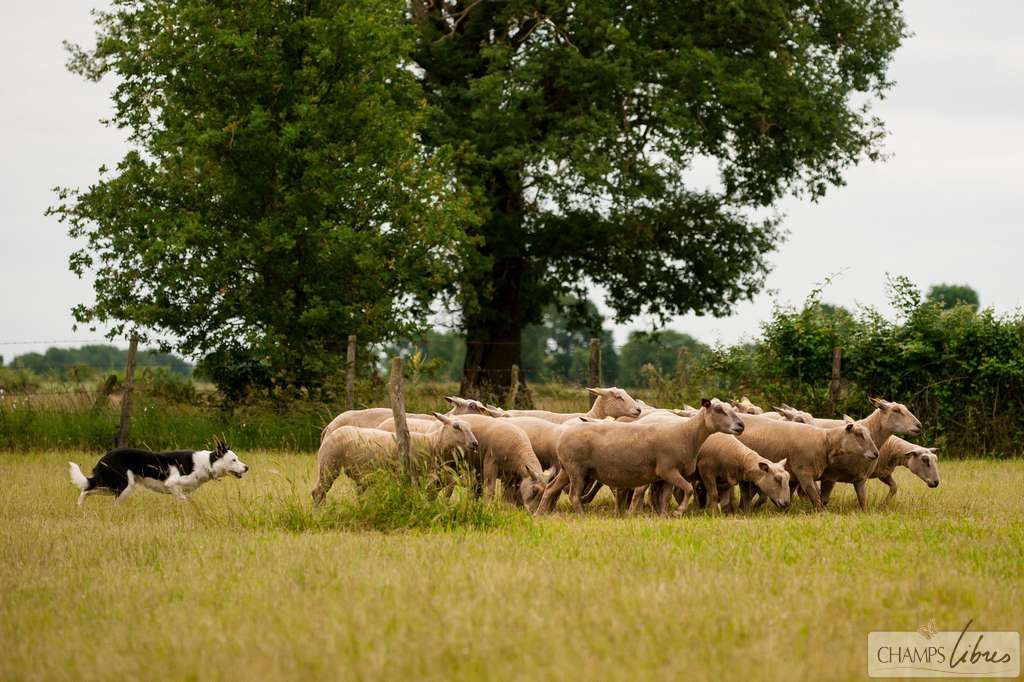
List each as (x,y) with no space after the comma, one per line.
(888,419)
(611,402)
(370,417)
(791,414)
(744,406)
(898,452)
(724,461)
(505,452)
(357,451)
(544,435)
(808,450)
(628,456)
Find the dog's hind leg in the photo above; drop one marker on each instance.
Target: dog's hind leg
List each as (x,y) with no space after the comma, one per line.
(128,489)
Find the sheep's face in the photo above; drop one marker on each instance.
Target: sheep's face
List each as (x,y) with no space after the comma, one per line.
(720,417)
(925,465)
(465,405)
(773,481)
(896,418)
(744,406)
(456,434)
(857,441)
(616,403)
(530,491)
(791,414)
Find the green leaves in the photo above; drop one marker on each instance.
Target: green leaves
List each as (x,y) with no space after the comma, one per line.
(278,199)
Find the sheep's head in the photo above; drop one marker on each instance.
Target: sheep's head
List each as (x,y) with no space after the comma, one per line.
(531,488)
(495,411)
(465,405)
(791,414)
(744,406)
(456,434)
(772,479)
(720,417)
(614,402)
(856,440)
(925,465)
(897,418)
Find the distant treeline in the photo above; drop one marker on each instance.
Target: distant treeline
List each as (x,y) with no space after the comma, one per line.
(557,349)
(66,363)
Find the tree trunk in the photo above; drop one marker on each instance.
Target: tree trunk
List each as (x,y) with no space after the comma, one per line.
(493,338)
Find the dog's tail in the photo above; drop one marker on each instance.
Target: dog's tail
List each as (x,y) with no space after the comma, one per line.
(78,478)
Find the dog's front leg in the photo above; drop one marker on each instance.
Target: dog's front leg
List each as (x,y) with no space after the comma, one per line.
(128,489)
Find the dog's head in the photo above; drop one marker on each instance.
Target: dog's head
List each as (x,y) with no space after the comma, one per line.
(224,461)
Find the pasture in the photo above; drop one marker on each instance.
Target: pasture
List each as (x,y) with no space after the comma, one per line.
(248,582)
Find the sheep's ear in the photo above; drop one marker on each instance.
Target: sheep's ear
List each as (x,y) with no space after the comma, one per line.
(534,476)
(705,403)
(441,418)
(881,404)
(782,462)
(689,407)
(763,466)
(452,399)
(848,419)
(597,391)
(734,403)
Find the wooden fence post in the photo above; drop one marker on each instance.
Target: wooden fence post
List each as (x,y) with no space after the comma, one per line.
(835,386)
(398,411)
(513,389)
(350,374)
(124,432)
(594,373)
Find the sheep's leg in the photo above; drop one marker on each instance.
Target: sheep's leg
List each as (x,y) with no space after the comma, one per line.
(591,491)
(861,488)
(810,490)
(327,475)
(675,478)
(577,482)
(636,505)
(891,482)
(745,497)
(711,500)
(826,490)
(663,492)
(622,500)
(551,492)
(725,498)
(490,477)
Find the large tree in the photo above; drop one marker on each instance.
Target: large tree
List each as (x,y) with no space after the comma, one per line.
(579,125)
(277,197)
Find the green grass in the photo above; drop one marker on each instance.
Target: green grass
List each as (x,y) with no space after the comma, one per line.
(250,583)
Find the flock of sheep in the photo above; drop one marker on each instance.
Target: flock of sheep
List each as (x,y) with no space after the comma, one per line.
(646,455)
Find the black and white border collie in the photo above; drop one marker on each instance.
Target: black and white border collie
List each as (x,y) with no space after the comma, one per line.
(176,473)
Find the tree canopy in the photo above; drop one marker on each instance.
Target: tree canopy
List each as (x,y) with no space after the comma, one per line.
(308,170)
(579,125)
(949,295)
(277,198)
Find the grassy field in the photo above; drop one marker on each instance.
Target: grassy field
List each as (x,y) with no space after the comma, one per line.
(228,588)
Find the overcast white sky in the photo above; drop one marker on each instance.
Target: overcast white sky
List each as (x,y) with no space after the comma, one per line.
(944,208)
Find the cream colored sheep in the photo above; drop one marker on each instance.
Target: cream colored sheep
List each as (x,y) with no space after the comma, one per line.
(808,450)
(724,461)
(611,402)
(544,435)
(628,456)
(922,461)
(357,451)
(888,419)
(370,417)
(744,406)
(505,452)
